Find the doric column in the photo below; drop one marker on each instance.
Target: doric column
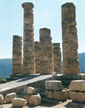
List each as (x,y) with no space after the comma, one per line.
(70,40)
(46,55)
(28,59)
(57,57)
(17,55)
(37,56)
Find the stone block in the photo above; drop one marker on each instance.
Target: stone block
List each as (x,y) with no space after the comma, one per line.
(77,85)
(10,97)
(53,85)
(34,99)
(77,96)
(31,90)
(1,99)
(49,94)
(19,102)
(60,95)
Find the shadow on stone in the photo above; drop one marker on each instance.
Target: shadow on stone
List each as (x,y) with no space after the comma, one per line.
(28,78)
(75,105)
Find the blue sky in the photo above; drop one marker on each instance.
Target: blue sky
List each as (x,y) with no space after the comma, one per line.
(47,13)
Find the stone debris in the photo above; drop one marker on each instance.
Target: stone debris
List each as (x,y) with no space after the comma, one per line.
(54,90)
(70,40)
(1,99)
(77,90)
(58,95)
(17,55)
(77,96)
(37,56)
(19,102)
(9,97)
(31,90)
(35,100)
(57,57)
(28,51)
(77,85)
(46,53)
(53,85)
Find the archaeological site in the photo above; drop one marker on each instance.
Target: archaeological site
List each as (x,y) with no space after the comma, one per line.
(43,76)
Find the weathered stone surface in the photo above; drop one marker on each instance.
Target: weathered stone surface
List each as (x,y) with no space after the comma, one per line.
(17,55)
(10,97)
(46,53)
(28,59)
(53,85)
(58,95)
(1,99)
(77,85)
(34,99)
(19,102)
(77,96)
(31,90)
(57,57)
(49,94)
(70,41)
(37,56)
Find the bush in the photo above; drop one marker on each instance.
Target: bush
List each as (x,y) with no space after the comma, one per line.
(1,80)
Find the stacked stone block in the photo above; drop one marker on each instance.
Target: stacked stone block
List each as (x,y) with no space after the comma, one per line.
(70,40)
(57,57)
(33,97)
(28,59)
(37,56)
(54,90)
(17,55)
(77,90)
(46,54)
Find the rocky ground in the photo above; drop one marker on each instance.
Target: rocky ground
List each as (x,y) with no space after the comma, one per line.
(66,104)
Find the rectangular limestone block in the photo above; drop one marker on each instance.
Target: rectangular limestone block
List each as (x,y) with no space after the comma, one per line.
(60,95)
(77,96)
(53,85)
(77,85)
(49,94)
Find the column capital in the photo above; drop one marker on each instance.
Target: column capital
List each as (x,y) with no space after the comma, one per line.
(68,5)
(28,5)
(45,31)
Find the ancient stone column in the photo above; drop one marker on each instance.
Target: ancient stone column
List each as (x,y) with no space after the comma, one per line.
(70,40)
(37,56)
(46,55)
(17,55)
(28,59)
(57,57)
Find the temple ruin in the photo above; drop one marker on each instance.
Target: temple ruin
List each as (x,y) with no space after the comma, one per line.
(50,82)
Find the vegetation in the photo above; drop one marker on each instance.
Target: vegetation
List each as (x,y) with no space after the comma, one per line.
(1,80)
